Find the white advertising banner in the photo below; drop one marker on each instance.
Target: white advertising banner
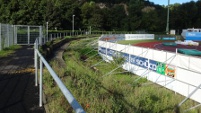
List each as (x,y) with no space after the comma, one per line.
(139,36)
(177,72)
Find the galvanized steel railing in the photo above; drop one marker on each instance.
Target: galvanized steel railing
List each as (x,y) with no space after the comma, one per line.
(69,97)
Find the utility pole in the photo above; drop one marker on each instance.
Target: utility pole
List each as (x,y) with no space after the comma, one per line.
(47,30)
(168,14)
(73,23)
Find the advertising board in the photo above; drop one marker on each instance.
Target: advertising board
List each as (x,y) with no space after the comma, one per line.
(193,36)
(158,67)
(139,36)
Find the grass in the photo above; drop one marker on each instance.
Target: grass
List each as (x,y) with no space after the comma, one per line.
(126,42)
(114,93)
(9,50)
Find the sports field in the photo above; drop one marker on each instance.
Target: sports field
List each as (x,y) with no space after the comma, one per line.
(159,45)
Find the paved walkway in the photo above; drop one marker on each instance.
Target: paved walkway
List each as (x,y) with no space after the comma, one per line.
(18,93)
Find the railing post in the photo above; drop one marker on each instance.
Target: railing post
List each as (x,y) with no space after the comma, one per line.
(41,83)
(198,87)
(8,36)
(15,34)
(41,35)
(36,62)
(47,31)
(28,33)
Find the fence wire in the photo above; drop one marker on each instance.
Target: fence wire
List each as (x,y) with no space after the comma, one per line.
(6,35)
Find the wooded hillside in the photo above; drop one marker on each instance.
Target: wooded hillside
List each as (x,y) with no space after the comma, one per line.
(113,15)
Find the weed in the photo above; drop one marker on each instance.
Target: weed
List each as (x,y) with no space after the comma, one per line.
(116,93)
(9,50)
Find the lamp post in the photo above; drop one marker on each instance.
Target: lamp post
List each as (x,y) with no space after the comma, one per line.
(47,29)
(168,14)
(73,24)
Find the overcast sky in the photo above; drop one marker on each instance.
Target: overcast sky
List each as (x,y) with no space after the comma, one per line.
(165,2)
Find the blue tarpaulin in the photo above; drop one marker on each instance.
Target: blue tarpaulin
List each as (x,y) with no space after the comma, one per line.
(196,36)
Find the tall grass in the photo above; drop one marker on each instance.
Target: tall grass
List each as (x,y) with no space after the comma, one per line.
(9,50)
(114,93)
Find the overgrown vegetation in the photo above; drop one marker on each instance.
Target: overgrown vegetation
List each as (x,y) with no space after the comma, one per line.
(86,76)
(9,50)
(102,15)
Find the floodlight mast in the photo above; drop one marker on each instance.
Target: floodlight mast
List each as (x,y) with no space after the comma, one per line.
(73,23)
(168,14)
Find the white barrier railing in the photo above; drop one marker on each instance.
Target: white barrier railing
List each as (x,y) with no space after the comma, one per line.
(72,101)
(183,71)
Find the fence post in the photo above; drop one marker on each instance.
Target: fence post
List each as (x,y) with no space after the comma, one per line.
(12,34)
(47,31)
(198,87)
(41,83)
(36,62)
(28,33)
(41,35)
(176,68)
(8,36)
(15,34)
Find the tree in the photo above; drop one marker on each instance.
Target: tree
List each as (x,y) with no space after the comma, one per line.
(87,11)
(135,7)
(4,11)
(124,15)
(149,18)
(53,12)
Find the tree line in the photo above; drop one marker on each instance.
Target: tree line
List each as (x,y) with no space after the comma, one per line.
(106,15)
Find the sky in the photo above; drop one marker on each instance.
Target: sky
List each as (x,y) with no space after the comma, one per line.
(165,2)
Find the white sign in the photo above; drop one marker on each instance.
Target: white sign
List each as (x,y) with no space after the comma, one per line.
(139,36)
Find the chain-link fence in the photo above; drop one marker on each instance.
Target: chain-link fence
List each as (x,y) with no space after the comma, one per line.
(26,35)
(6,35)
(19,34)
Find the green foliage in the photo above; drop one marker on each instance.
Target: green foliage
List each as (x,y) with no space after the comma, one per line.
(110,15)
(115,93)
(9,50)
(118,60)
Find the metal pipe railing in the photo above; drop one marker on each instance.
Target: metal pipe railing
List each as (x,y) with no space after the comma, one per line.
(69,97)
(35,62)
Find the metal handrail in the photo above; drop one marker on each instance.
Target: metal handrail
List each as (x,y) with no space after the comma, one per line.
(69,97)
